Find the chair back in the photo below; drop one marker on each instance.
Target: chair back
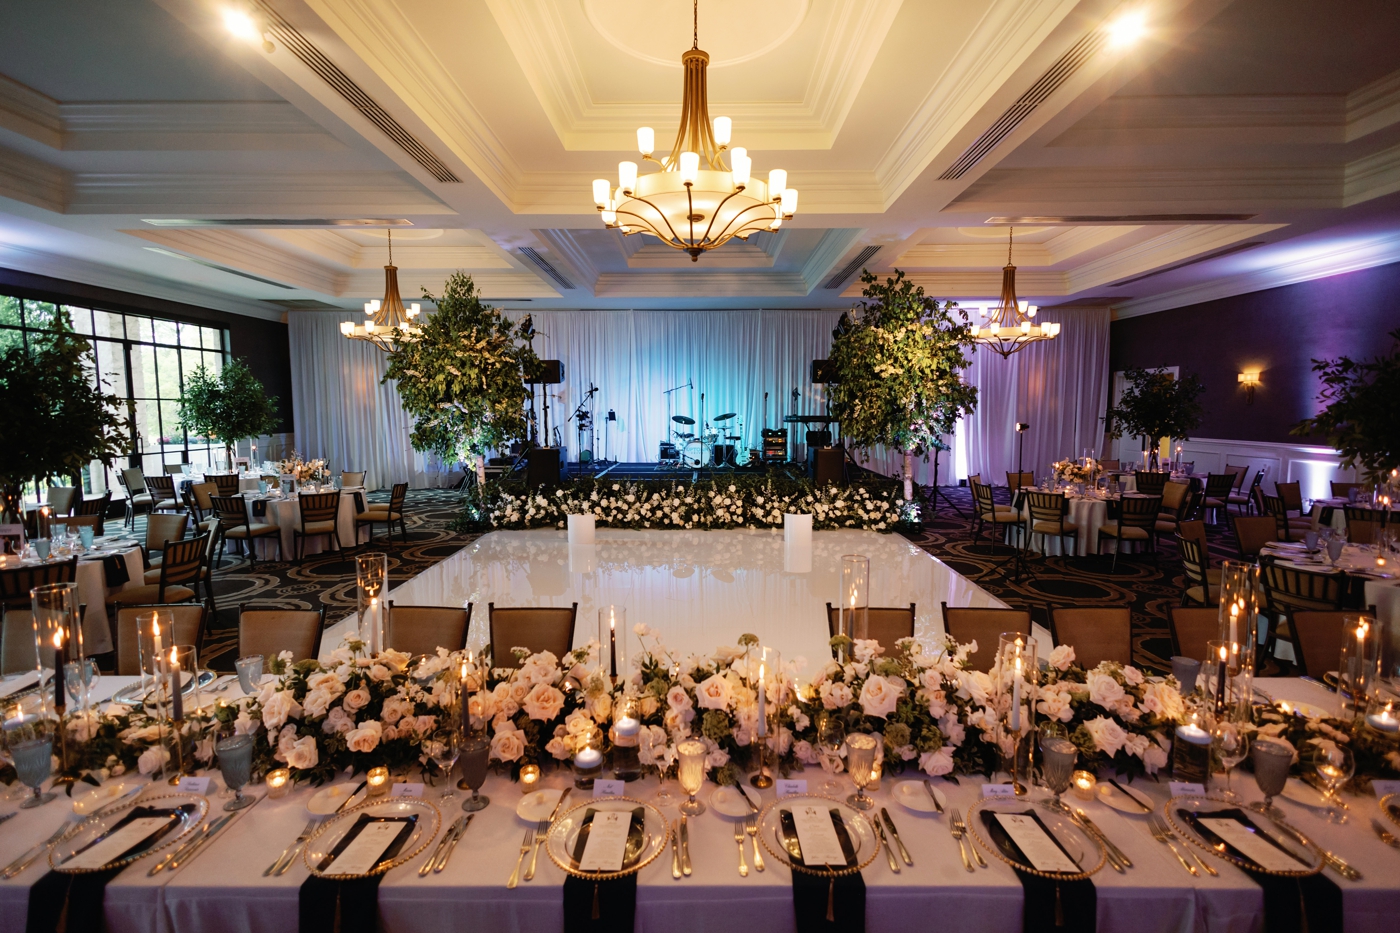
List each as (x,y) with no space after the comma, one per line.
(1015,481)
(269,632)
(1252,532)
(1191,629)
(227,483)
(1218,485)
(1240,473)
(1096,635)
(535,628)
(353,478)
(1195,562)
(318,506)
(1196,531)
(182,562)
(189,618)
(94,506)
(1046,506)
(174,469)
(1362,524)
(1317,640)
(982,493)
(203,494)
(162,528)
(1174,498)
(1110,465)
(1290,589)
(885,625)
(134,481)
(396,498)
(60,499)
(1343,490)
(161,487)
(968,624)
(16,582)
(1150,482)
(232,511)
(17,641)
(1291,494)
(419,630)
(1139,512)
(85,521)
(1259,478)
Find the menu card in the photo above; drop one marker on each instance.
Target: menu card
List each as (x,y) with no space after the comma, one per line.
(816,834)
(118,842)
(1247,841)
(365,850)
(607,841)
(1042,852)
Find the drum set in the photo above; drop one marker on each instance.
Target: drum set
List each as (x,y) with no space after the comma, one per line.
(693,450)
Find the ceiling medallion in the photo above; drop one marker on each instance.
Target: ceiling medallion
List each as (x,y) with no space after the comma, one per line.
(1009,326)
(389,322)
(684,206)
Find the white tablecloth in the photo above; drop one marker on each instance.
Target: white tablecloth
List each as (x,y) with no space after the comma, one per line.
(286,514)
(1086,514)
(93,592)
(223,888)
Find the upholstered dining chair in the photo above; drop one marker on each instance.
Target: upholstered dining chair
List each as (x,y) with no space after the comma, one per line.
(1049,513)
(968,624)
(234,522)
(1195,562)
(1150,482)
(17,639)
(1252,532)
(1109,466)
(137,498)
(201,502)
(1018,481)
(1246,501)
(1191,629)
(989,512)
(1363,524)
(885,625)
(189,619)
(419,630)
(1290,527)
(386,513)
(269,631)
(226,482)
(1343,490)
(535,628)
(161,529)
(181,571)
(1136,522)
(1176,501)
(352,478)
(96,509)
(1289,590)
(1291,494)
(320,513)
(1096,634)
(1241,474)
(1317,640)
(163,493)
(1217,492)
(60,499)
(16,582)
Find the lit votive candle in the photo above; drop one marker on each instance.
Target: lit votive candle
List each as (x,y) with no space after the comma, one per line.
(529,777)
(588,764)
(377,781)
(1083,784)
(278,783)
(1384,720)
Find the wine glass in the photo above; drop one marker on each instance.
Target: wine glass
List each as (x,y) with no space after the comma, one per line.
(1271,763)
(690,772)
(1334,766)
(860,761)
(444,747)
(831,738)
(236,765)
(475,756)
(664,796)
(1057,767)
(1231,747)
(79,678)
(34,763)
(250,671)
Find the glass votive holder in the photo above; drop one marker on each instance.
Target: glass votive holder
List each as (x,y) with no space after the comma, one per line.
(278,782)
(1082,783)
(529,777)
(1191,753)
(1383,714)
(588,765)
(377,781)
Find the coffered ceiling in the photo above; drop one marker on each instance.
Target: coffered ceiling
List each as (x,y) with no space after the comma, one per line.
(1235,146)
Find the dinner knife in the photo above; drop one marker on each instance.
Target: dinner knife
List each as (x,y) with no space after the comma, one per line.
(186,854)
(197,835)
(894,833)
(676,852)
(884,843)
(685,846)
(1127,793)
(932,796)
(352,795)
(452,845)
(427,866)
(1093,827)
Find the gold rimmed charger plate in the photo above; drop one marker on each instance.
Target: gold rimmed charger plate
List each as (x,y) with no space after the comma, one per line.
(325,838)
(563,835)
(1390,806)
(1082,848)
(1204,805)
(89,829)
(863,839)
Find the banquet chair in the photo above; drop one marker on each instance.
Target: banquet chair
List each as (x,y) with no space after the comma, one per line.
(968,624)
(352,478)
(234,523)
(175,469)
(189,620)
(1291,494)
(1191,629)
(419,630)
(137,498)
(1150,482)
(1195,562)
(17,642)
(1290,527)
(162,490)
(1108,466)
(201,503)
(1343,490)
(989,511)
(271,631)
(1136,522)
(1049,513)
(1176,500)
(160,531)
(1289,590)
(16,582)
(1217,492)
(535,628)
(227,483)
(1241,473)
(1317,640)
(60,499)
(320,513)
(1252,532)
(181,570)
(882,624)
(385,512)
(96,509)
(1363,524)
(1017,481)
(1249,501)
(1096,634)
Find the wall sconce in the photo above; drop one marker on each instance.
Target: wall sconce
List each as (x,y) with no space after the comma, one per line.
(1249,379)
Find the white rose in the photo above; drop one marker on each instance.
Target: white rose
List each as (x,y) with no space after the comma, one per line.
(1055,704)
(878,696)
(1131,675)
(152,759)
(714,693)
(303,754)
(396,708)
(1107,735)
(1062,657)
(507,744)
(317,702)
(543,702)
(1103,689)
(280,707)
(365,736)
(936,763)
(805,753)
(355,700)
(836,695)
(337,721)
(379,672)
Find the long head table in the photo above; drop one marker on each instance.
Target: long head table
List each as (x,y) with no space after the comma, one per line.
(223,888)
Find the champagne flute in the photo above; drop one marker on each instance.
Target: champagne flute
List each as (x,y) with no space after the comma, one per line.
(860,761)
(1231,747)
(691,773)
(831,738)
(236,766)
(444,748)
(475,757)
(1271,763)
(1057,767)
(1334,766)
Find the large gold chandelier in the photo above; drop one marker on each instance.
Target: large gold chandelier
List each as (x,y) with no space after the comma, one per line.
(1010,326)
(389,321)
(683,205)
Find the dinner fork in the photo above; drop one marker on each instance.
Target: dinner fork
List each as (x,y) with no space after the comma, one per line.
(962,831)
(953,827)
(520,859)
(739,834)
(751,824)
(1159,832)
(24,861)
(541,833)
(289,853)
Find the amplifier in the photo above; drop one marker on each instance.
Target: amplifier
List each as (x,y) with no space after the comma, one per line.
(774,448)
(668,451)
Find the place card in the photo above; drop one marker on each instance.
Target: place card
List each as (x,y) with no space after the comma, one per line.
(1385,787)
(607,841)
(406,789)
(1183,788)
(1042,852)
(118,843)
(605,787)
(365,850)
(1246,841)
(817,836)
(194,785)
(790,787)
(998,790)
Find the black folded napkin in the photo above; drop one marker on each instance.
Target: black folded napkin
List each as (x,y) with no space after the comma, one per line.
(1287,901)
(260,508)
(359,502)
(603,906)
(114,569)
(347,905)
(825,904)
(1050,905)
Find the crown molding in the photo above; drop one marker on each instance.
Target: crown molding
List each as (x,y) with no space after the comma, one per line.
(761,253)
(1373,107)
(33,182)
(271,194)
(1060,248)
(25,111)
(232,248)
(1371,176)
(979,286)
(709,284)
(410,254)
(1165,249)
(562,244)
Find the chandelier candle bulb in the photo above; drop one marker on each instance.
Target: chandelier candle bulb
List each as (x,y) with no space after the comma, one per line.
(777,181)
(789,202)
(602,192)
(646,140)
(626,177)
(723,127)
(743,166)
(690,167)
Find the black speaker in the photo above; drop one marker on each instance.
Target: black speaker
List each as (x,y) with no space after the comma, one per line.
(542,466)
(668,451)
(551,372)
(828,465)
(819,438)
(823,373)
(723,453)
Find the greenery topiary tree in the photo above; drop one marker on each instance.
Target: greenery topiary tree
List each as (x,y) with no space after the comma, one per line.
(1155,405)
(54,417)
(896,358)
(1361,413)
(463,377)
(230,405)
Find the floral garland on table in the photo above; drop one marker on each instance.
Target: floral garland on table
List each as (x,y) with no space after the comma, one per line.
(304,471)
(1376,755)
(1073,471)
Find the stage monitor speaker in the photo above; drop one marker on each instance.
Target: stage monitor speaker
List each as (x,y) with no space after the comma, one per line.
(828,465)
(542,466)
(668,452)
(823,373)
(551,372)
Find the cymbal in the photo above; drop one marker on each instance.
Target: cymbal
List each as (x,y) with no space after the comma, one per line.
(682,419)
(726,417)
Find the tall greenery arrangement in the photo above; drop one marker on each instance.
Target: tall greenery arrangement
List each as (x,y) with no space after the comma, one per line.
(55,418)
(896,357)
(230,405)
(1156,405)
(463,378)
(1361,413)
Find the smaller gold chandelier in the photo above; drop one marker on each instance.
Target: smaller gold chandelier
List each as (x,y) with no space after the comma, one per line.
(389,323)
(1009,326)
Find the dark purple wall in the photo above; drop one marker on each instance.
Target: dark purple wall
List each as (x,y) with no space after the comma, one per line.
(1279,331)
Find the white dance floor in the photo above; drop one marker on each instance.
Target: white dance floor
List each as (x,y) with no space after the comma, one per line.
(697,590)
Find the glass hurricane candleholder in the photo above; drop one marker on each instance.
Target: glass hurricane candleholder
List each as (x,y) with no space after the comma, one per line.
(371,593)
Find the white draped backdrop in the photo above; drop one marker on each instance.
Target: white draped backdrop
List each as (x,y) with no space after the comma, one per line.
(732,357)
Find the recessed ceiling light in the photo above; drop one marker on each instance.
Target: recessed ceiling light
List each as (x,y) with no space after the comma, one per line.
(240,24)
(1127,29)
